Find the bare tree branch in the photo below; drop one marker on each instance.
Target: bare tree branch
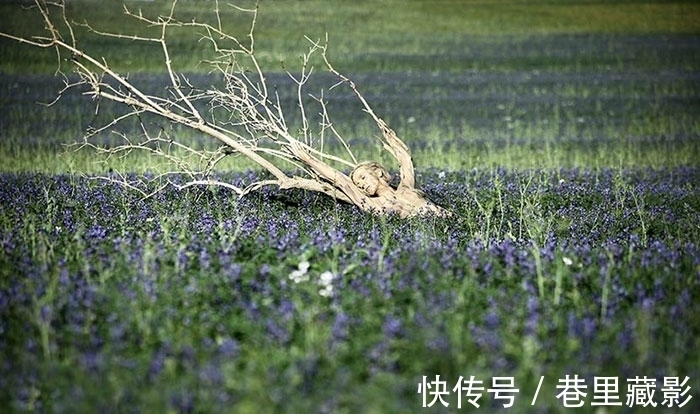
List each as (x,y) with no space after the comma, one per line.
(243,117)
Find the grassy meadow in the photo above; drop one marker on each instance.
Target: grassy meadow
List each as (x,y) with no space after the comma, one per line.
(564,136)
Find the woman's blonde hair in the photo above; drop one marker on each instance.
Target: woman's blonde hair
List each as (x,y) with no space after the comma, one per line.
(374,166)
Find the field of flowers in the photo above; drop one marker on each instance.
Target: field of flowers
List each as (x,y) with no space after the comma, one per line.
(570,162)
(199,302)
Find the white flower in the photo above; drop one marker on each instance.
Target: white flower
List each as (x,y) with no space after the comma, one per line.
(441,174)
(567,261)
(325,280)
(299,275)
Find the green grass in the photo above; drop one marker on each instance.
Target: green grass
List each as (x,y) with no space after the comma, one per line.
(412,31)
(432,153)
(567,86)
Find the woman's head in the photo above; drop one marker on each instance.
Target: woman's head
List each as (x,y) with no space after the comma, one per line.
(369,176)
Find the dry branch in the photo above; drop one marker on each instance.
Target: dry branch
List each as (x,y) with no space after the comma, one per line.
(254,125)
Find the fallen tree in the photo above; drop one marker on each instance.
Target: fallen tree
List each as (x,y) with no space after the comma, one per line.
(254,127)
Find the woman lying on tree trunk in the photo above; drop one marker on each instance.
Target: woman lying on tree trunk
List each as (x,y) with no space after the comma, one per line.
(368,186)
(373,179)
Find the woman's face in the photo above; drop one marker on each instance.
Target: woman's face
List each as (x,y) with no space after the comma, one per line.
(366,179)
